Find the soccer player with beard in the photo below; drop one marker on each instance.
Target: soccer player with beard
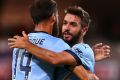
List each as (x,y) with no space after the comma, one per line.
(76,23)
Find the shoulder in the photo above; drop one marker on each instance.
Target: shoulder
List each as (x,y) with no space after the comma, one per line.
(61,45)
(83,47)
(83,51)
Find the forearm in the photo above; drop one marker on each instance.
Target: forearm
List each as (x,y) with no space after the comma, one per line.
(52,57)
(41,53)
(63,57)
(80,72)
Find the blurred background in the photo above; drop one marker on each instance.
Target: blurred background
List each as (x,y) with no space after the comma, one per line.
(105,27)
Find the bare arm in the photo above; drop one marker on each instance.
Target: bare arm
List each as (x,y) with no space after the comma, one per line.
(44,54)
(82,73)
(50,56)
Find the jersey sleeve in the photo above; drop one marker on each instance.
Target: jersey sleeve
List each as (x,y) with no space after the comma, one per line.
(83,55)
(61,46)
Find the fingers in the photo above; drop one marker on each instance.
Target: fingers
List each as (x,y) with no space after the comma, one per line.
(106,47)
(106,50)
(17,41)
(11,44)
(11,40)
(24,34)
(98,45)
(107,55)
(16,36)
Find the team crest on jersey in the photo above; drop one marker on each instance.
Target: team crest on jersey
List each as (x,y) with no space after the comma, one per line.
(78,52)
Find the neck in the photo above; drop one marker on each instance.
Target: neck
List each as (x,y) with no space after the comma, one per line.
(75,41)
(80,40)
(44,27)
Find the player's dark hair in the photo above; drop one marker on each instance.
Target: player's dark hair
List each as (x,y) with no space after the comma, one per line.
(42,10)
(78,11)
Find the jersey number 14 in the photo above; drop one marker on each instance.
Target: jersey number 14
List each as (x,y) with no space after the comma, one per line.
(27,67)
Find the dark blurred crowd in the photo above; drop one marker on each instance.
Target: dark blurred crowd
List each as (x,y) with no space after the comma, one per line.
(5,60)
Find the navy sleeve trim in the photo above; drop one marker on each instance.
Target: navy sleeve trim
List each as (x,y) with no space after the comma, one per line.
(79,62)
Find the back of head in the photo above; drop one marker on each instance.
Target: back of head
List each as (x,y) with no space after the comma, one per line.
(78,11)
(42,10)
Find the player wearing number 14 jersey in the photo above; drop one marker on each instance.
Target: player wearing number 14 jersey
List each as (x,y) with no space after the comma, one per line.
(28,67)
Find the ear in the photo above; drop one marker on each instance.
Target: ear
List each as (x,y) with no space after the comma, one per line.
(84,30)
(52,18)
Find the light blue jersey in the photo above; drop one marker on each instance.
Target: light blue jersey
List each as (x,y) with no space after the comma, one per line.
(28,67)
(84,55)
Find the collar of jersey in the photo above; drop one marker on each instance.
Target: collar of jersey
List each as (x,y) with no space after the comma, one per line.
(39,32)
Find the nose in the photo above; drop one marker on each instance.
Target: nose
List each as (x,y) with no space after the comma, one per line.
(67,27)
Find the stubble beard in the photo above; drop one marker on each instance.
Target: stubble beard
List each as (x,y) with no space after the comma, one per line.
(74,40)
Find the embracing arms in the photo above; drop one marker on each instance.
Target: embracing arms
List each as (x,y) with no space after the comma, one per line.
(63,58)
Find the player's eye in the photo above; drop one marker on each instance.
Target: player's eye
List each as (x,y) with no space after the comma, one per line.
(64,22)
(74,24)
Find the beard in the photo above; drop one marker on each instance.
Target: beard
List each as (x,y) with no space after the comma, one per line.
(74,40)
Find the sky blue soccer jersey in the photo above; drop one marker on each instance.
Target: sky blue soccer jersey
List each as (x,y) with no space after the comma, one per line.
(28,67)
(84,55)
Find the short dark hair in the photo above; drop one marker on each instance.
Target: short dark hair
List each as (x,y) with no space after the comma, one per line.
(42,10)
(78,11)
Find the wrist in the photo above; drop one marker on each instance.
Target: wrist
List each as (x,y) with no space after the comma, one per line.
(27,44)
